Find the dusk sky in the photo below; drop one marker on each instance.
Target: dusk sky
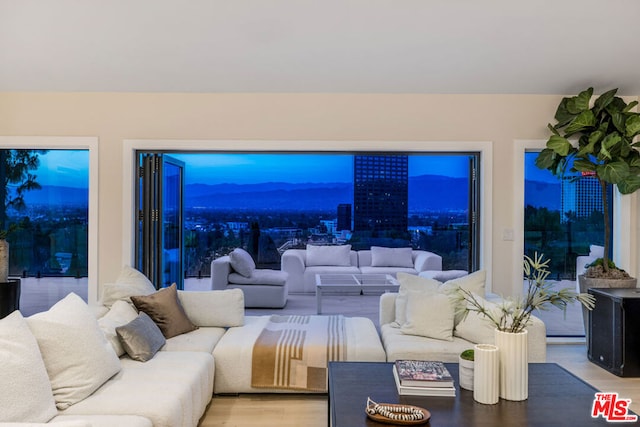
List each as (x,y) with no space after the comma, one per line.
(300,168)
(67,168)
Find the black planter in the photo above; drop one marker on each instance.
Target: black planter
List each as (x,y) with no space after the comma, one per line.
(9,297)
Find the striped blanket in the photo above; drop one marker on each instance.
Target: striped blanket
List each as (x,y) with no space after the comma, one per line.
(292,352)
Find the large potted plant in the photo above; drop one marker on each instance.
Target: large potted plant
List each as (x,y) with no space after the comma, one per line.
(599,138)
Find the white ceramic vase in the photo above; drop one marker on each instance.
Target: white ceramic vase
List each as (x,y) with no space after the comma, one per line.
(486,384)
(465,370)
(514,365)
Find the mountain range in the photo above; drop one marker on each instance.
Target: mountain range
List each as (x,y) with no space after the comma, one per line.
(426,192)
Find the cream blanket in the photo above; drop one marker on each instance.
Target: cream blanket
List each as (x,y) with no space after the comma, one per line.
(292,352)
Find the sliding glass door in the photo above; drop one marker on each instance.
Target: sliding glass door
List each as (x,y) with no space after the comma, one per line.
(159,252)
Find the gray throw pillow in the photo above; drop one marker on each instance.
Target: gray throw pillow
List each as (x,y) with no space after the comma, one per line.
(242,262)
(141,338)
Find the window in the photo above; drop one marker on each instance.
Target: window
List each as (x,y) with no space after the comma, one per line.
(51,211)
(269,202)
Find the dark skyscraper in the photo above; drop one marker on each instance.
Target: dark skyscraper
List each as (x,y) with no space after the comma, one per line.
(381,193)
(344,217)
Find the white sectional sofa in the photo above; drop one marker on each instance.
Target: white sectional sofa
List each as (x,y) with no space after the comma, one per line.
(80,366)
(302,265)
(433,330)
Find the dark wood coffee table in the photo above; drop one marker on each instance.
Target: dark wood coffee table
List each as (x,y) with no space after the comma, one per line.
(556,398)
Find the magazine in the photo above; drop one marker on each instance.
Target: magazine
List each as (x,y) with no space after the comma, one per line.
(423,373)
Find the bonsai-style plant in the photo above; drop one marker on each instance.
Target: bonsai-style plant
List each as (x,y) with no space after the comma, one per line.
(600,137)
(513,315)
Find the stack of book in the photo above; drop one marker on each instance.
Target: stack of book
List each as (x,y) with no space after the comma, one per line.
(423,378)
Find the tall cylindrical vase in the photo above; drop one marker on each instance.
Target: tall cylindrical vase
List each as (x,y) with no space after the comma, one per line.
(514,365)
(486,385)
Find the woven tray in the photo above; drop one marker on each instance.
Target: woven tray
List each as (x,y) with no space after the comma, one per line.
(379,418)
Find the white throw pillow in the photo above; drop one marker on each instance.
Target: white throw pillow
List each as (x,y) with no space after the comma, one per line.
(391,257)
(120,314)
(411,284)
(26,391)
(78,357)
(329,255)
(429,315)
(474,282)
(242,262)
(129,283)
(222,309)
(476,327)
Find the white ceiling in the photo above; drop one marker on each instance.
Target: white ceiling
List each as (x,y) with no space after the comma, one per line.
(358,46)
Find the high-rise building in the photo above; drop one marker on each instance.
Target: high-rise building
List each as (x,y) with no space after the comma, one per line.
(344,216)
(381,192)
(581,197)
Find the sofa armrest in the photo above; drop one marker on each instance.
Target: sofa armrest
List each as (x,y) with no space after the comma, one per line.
(387,308)
(220,270)
(293,262)
(425,260)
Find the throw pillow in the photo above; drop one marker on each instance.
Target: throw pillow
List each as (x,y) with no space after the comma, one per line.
(429,315)
(411,284)
(475,327)
(222,309)
(474,282)
(164,308)
(328,255)
(242,262)
(26,391)
(391,257)
(141,338)
(120,314)
(130,282)
(77,356)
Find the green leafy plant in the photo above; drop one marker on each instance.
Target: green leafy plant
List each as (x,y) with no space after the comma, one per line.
(606,147)
(513,315)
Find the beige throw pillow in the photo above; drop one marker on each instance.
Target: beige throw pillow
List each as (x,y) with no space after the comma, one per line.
(411,284)
(476,327)
(164,308)
(391,257)
(429,315)
(121,313)
(241,262)
(329,255)
(78,357)
(130,282)
(474,282)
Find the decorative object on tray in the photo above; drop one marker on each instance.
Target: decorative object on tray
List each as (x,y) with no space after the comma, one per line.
(512,317)
(425,390)
(391,413)
(423,373)
(486,384)
(466,367)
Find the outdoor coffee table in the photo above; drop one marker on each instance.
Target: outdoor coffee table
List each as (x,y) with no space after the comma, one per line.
(556,398)
(353,283)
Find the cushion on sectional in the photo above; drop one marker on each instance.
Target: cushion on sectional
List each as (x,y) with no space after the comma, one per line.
(391,257)
(130,282)
(429,315)
(141,338)
(222,309)
(164,308)
(242,262)
(121,313)
(77,356)
(26,391)
(329,255)
(474,282)
(476,327)
(411,284)
(260,277)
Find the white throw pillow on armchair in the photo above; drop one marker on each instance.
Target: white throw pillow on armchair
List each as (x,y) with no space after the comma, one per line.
(411,284)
